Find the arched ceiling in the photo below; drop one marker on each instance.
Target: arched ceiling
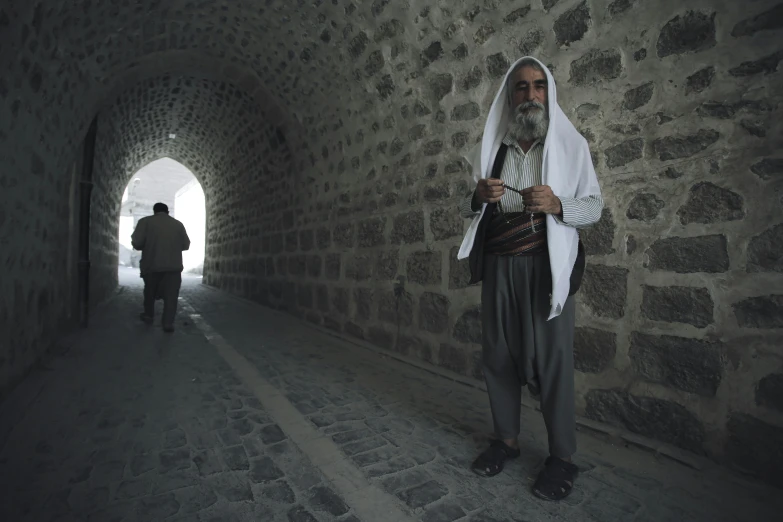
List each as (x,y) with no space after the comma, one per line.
(315,61)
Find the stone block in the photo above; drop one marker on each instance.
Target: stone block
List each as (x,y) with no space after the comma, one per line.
(389,29)
(358,44)
(532,40)
(709,203)
(264,470)
(459,271)
(484,33)
(386,264)
(325,500)
(381,337)
(516,15)
(371,232)
(297,265)
(691,32)
(768,20)
(340,300)
(417,132)
(690,365)
(497,65)
(305,296)
(755,128)
(424,268)
(645,207)
(549,4)
(760,312)
(374,63)
(453,358)
(323,238)
(363,299)
(322,298)
(433,312)
(754,446)
(624,153)
(598,238)
(432,148)
(396,309)
(354,330)
(343,235)
(640,55)
(445,223)
(460,52)
(594,349)
(684,255)
(769,391)
(766,65)
(359,268)
(620,6)
(332,267)
(699,80)
(468,326)
(765,251)
(306,239)
(276,244)
(465,112)
(595,66)
(676,147)
(441,85)
(415,347)
(431,53)
(291,241)
(314,266)
(385,87)
(655,418)
(638,96)
(408,228)
(678,304)
(768,168)
(604,290)
(572,25)
(446,511)
(423,495)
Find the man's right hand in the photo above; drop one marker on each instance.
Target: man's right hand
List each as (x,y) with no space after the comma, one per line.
(489,190)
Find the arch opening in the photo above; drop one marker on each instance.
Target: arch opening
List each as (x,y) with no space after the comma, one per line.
(164,181)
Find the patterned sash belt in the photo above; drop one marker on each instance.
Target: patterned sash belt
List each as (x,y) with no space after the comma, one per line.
(516,234)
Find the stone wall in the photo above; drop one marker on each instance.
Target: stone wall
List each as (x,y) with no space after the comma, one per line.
(356,227)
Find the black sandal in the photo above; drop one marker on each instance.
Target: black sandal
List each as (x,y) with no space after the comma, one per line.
(556,480)
(492,460)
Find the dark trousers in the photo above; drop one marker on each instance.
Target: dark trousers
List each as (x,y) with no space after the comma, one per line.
(522,348)
(165,285)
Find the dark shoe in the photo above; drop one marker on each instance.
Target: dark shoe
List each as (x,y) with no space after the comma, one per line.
(146,318)
(168,329)
(492,460)
(556,480)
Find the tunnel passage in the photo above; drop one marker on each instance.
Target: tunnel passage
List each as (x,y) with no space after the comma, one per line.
(679,325)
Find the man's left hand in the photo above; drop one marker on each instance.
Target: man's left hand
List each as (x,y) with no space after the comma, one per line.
(541,199)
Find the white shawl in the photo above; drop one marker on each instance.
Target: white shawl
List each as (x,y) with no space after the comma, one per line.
(567,169)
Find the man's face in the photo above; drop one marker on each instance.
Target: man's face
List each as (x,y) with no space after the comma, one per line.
(528,85)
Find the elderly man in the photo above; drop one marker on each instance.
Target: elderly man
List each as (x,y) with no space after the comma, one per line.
(535,187)
(161,239)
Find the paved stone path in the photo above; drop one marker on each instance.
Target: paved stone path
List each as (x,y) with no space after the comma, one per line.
(248,414)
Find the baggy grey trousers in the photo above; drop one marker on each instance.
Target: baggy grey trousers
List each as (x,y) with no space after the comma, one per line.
(165,285)
(520,347)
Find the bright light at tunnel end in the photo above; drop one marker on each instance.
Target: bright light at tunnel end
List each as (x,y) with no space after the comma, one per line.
(172,136)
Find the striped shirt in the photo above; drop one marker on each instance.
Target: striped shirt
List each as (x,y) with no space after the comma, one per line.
(523,170)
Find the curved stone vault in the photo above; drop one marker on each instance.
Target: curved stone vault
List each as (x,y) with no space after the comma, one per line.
(327,135)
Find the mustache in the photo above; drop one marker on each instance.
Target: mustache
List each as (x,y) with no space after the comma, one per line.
(529,105)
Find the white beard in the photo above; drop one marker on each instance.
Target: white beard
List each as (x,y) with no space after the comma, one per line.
(529,125)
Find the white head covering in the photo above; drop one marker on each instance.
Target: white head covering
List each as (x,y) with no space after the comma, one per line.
(567,169)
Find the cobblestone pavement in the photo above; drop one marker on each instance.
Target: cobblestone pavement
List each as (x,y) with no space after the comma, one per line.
(129,423)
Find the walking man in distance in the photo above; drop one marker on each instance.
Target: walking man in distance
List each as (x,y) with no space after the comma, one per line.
(161,239)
